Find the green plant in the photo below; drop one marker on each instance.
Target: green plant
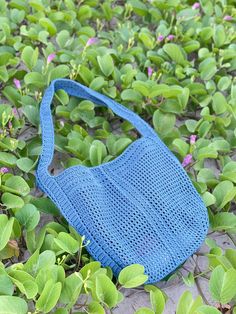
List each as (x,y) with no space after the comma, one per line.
(173,63)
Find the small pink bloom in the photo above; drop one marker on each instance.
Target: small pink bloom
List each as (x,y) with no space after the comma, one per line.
(193,139)
(150,71)
(51,57)
(196,6)
(4,170)
(228,18)
(171,37)
(160,38)
(91,41)
(14,111)
(10,125)
(187,160)
(17,83)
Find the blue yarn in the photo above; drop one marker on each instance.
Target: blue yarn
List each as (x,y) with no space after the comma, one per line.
(140,207)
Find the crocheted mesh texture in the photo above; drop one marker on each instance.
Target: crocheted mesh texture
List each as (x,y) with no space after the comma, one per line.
(138,208)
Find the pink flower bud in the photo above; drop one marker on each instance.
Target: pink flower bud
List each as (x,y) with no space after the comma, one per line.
(9,125)
(228,18)
(150,71)
(17,83)
(171,37)
(51,57)
(160,38)
(14,111)
(187,160)
(91,41)
(196,6)
(193,139)
(4,170)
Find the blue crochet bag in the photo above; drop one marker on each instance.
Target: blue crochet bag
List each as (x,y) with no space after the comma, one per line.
(140,207)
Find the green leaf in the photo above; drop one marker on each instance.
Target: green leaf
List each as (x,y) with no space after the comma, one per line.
(157,300)
(25,164)
(12,201)
(17,185)
(95,308)
(206,152)
(7,159)
(106,291)
(67,243)
(224,192)
(181,146)
(48,25)
(121,144)
(176,53)
(35,78)
(147,40)
(221,145)
(32,114)
(219,35)
(28,216)
(63,38)
(224,221)
(45,205)
(6,285)
(12,305)
(49,297)
(224,83)
(222,284)
(132,276)
(97,83)
(5,230)
(206,309)
(163,122)
(207,68)
(89,269)
(219,103)
(97,152)
(187,305)
(60,71)
(229,172)
(144,310)
(71,289)
(106,64)
(208,199)
(131,95)
(30,56)
(25,283)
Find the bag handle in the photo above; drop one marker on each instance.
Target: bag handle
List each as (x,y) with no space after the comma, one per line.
(76,89)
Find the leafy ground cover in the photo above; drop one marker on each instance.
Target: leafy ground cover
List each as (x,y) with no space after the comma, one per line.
(172,62)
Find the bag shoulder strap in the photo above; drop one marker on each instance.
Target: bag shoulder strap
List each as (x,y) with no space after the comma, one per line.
(76,89)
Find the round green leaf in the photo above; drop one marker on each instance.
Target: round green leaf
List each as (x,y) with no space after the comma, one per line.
(176,53)
(67,243)
(224,192)
(7,159)
(49,297)
(106,64)
(163,122)
(132,276)
(25,164)
(28,216)
(106,291)
(222,284)
(12,305)
(17,185)
(12,201)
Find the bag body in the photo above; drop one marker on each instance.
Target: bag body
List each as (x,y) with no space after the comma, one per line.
(140,207)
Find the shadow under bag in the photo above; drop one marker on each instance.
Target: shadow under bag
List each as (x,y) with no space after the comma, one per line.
(140,207)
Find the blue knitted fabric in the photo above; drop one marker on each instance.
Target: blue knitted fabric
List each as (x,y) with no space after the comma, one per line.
(140,207)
